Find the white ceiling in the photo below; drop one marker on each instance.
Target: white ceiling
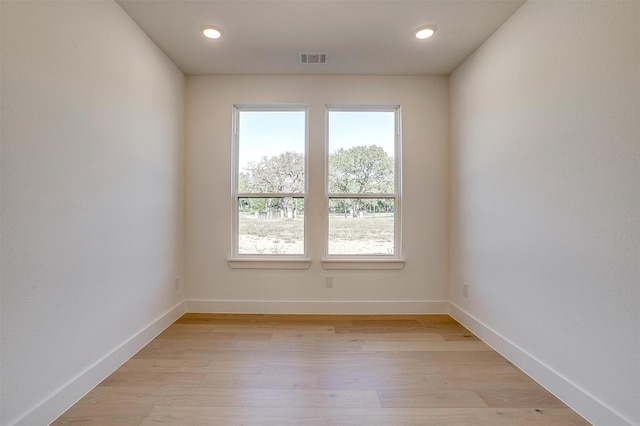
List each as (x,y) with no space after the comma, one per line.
(360,36)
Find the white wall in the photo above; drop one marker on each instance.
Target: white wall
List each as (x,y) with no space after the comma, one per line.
(92,199)
(422,284)
(545,124)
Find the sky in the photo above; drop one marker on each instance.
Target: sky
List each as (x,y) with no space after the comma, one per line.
(270,133)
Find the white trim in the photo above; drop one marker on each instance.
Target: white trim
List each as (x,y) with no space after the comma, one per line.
(362,263)
(268,263)
(318,307)
(235,171)
(270,195)
(580,400)
(397,177)
(52,406)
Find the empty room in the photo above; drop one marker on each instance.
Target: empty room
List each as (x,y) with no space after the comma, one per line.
(320,212)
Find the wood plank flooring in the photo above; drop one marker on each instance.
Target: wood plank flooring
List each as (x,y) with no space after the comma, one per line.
(318,370)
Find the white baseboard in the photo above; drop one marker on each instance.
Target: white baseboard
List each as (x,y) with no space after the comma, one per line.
(581,401)
(591,408)
(68,394)
(318,307)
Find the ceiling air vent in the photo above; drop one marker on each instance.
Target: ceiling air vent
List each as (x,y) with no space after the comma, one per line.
(312,57)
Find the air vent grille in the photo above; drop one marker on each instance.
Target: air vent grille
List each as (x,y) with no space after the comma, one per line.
(313,57)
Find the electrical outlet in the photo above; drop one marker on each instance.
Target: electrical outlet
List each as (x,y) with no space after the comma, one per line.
(176,283)
(328,281)
(465,290)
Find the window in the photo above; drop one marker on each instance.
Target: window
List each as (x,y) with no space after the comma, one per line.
(361,177)
(362,181)
(270,181)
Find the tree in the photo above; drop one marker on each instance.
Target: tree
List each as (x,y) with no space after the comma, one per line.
(279,174)
(360,170)
(365,169)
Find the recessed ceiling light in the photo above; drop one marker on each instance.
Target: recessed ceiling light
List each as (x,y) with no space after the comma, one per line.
(211,32)
(425,32)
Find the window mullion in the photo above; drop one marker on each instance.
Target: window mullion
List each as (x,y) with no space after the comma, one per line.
(271,195)
(366,195)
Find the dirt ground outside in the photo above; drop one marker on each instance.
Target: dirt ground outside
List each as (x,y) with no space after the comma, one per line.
(370,234)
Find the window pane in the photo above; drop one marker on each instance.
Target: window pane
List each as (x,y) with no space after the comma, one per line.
(271,226)
(361,152)
(361,226)
(271,146)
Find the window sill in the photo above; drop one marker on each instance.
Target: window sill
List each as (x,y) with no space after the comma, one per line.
(362,263)
(268,263)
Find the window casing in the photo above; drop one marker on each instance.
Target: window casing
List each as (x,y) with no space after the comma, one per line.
(269,182)
(363,183)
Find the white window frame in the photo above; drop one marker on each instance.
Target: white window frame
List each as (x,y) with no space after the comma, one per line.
(261,261)
(366,261)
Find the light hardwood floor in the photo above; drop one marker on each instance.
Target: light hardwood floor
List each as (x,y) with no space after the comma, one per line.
(318,370)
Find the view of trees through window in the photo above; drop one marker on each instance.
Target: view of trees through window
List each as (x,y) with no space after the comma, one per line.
(361,182)
(271,182)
